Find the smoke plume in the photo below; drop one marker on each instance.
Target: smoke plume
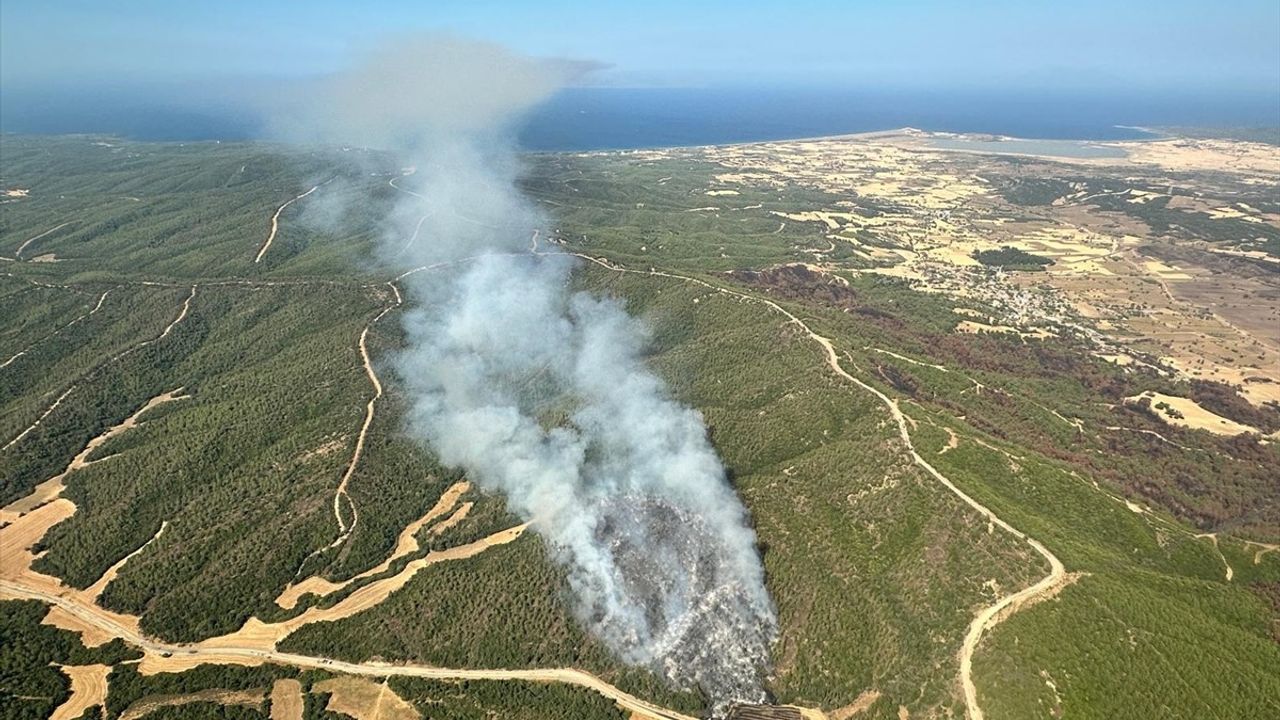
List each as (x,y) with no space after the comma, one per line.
(541,393)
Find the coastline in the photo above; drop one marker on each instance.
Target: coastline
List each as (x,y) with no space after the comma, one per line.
(905,130)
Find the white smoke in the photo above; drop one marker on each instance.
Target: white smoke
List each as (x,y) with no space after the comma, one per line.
(542,393)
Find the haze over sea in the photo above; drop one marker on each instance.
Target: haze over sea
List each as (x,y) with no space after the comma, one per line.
(594,118)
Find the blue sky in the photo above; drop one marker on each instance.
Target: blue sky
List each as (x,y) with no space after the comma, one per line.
(1232,46)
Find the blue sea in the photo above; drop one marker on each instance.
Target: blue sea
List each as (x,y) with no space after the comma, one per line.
(617,118)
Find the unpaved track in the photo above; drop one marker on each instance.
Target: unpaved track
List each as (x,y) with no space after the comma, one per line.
(990,616)
(392,183)
(345,530)
(94,591)
(255,654)
(18,255)
(104,620)
(91,636)
(986,619)
(1213,538)
(1263,549)
(53,487)
(258,634)
(40,419)
(406,544)
(953,441)
(275,221)
(414,237)
(182,314)
(20,353)
(458,516)
(1152,433)
(860,705)
(23,583)
(913,361)
(368,420)
(254,644)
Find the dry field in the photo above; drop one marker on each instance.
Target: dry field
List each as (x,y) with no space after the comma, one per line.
(1197,309)
(365,699)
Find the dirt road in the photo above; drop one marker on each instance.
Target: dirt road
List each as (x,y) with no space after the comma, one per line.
(182,314)
(1213,538)
(406,544)
(18,254)
(100,618)
(255,643)
(102,298)
(275,222)
(52,488)
(345,529)
(368,413)
(54,406)
(94,591)
(392,183)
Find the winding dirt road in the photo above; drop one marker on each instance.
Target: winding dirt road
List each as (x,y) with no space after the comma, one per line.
(392,183)
(182,314)
(275,221)
(345,530)
(406,544)
(102,298)
(1213,539)
(53,487)
(990,616)
(417,229)
(18,254)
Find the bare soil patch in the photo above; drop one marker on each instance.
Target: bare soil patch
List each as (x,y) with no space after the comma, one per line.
(88,688)
(286,700)
(366,699)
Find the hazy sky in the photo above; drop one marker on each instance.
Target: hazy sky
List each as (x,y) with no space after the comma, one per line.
(1084,44)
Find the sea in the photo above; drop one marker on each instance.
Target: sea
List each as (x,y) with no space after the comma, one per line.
(598,118)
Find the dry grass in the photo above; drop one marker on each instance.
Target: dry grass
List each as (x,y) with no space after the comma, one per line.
(1192,415)
(366,699)
(88,688)
(286,700)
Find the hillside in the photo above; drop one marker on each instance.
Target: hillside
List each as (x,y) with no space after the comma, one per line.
(977,488)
